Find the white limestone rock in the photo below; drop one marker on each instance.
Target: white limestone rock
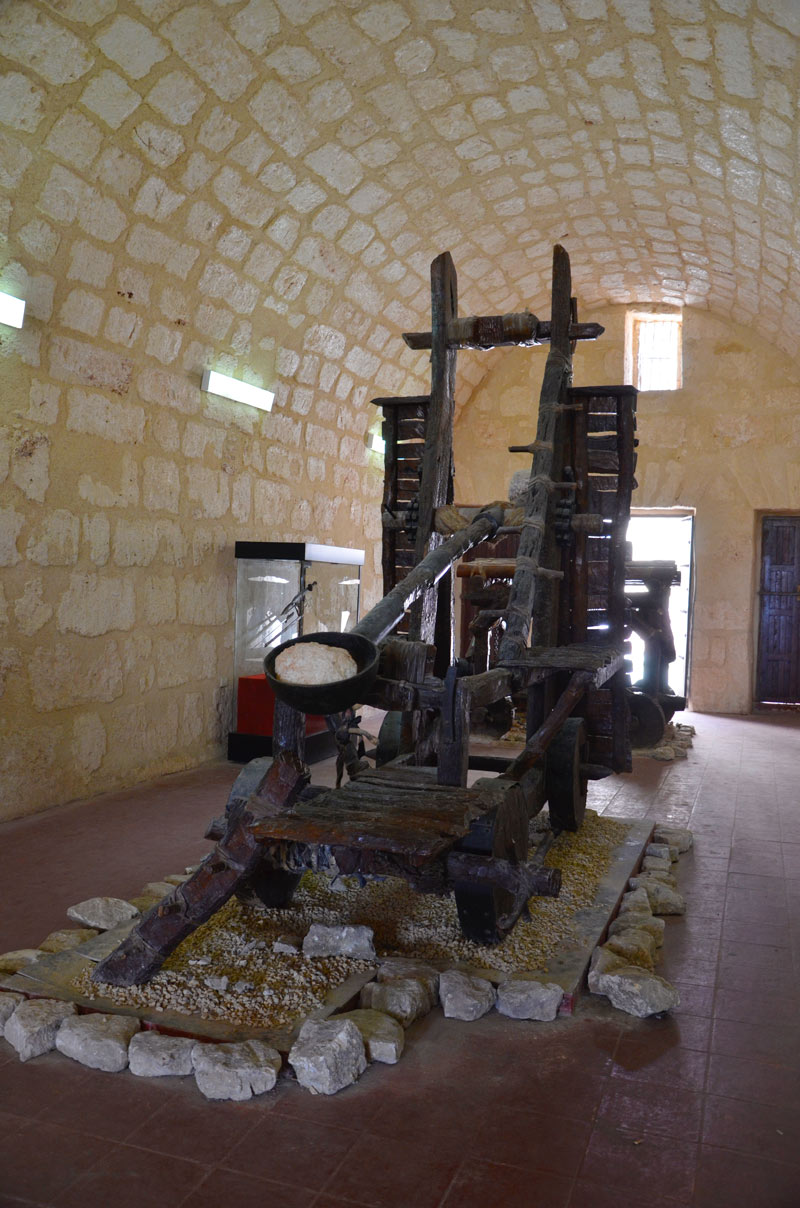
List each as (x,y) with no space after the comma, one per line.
(665,753)
(405,999)
(12,962)
(157,889)
(465,997)
(666,878)
(102,913)
(636,991)
(603,961)
(99,1041)
(340,940)
(152,1055)
(523,996)
(328,1055)
(656,864)
(67,938)
(663,898)
(394,967)
(9,1001)
(235,1071)
(658,851)
(106,941)
(675,836)
(637,946)
(33,1027)
(640,921)
(637,899)
(383,1036)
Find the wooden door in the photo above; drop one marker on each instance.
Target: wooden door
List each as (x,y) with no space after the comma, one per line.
(778,679)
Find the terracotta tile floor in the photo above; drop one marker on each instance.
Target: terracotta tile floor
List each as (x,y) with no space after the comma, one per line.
(701,1108)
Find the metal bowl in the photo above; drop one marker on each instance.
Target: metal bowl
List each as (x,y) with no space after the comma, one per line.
(336,695)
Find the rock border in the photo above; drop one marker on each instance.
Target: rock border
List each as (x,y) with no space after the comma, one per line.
(332,1053)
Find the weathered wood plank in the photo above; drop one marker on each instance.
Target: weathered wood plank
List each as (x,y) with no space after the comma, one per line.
(533,541)
(436,486)
(495,331)
(603,462)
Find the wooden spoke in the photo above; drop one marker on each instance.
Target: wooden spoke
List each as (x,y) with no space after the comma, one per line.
(566,778)
(503,833)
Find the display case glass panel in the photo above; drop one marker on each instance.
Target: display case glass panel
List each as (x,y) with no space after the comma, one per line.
(285,589)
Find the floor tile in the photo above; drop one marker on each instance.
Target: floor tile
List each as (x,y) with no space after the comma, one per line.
(726,1179)
(353,1108)
(496,1112)
(278,1148)
(775,1043)
(227,1189)
(455,1120)
(384,1172)
(667,1065)
(766,1131)
(480,1184)
(566,1092)
(753,1081)
(128,1178)
(110,1105)
(194,1128)
(640,1163)
(27,1088)
(602,1194)
(695,999)
(533,1141)
(24,1172)
(662,1110)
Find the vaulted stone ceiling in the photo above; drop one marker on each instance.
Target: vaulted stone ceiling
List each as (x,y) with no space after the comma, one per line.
(283,155)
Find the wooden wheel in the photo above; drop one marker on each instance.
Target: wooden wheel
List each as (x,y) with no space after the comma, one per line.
(565,782)
(272,887)
(390,739)
(647,720)
(504,833)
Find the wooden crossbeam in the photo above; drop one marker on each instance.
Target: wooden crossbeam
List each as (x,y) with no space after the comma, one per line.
(495,331)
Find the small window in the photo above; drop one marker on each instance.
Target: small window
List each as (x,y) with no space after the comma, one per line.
(653,351)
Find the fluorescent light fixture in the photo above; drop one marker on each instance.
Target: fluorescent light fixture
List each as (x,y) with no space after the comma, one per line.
(11,310)
(377,444)
(334,553)
(240,392)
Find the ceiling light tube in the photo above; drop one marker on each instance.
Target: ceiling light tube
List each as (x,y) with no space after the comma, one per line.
(11,310)
(240,392)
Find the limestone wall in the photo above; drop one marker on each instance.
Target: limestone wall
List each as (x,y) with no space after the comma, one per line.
(135,226)
(725,444)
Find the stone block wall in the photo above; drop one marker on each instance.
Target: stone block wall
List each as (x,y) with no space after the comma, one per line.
(156,226)
(259,186)
(724,444)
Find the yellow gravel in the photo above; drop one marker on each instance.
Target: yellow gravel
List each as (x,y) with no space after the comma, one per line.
(272,990)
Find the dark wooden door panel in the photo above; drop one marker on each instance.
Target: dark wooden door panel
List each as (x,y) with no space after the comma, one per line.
(778,678)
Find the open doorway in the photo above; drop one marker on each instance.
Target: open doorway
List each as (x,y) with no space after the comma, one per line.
(665,535)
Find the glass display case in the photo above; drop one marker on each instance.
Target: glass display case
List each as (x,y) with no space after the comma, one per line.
(285,589)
